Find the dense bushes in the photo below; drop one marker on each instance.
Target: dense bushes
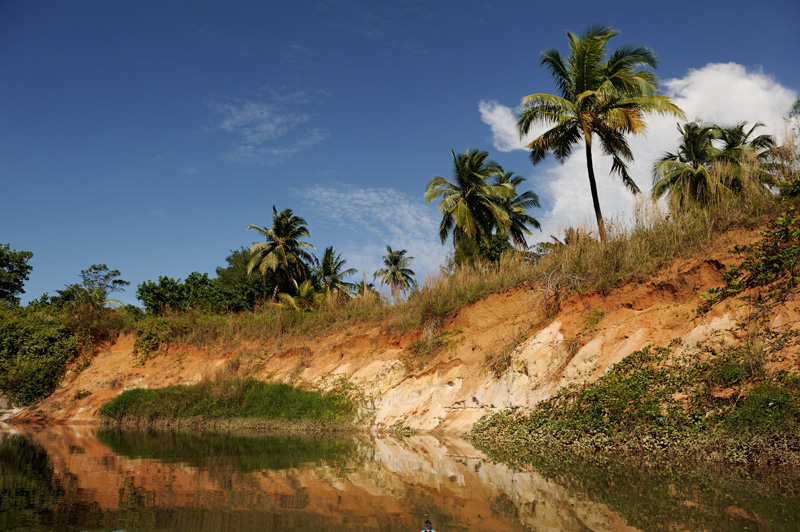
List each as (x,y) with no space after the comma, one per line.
(35,347)
(232,290)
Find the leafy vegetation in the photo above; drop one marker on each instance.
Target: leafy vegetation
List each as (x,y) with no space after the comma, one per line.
(772,263)
(482,215)
(35,348)
(283,255)
(14,271)
(726,405)
(396,272)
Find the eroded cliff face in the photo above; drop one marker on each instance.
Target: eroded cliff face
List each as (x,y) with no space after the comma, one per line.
(502,351)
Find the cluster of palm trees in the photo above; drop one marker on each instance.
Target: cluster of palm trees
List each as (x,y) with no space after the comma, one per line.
(482,200)
(686,176)
(302,281)
(605,96)
(601,96)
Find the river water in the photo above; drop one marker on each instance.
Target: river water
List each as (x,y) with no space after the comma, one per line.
(85,478)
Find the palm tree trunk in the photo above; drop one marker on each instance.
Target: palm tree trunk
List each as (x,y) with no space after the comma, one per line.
(601,228)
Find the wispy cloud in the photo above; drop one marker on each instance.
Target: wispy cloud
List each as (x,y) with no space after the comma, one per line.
(373,218)
(194,169)
(750,96)
(262,132)
(383,24)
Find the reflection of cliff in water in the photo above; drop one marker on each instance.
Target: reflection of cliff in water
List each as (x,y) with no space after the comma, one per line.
(159,481)
(31,493)
(77,478)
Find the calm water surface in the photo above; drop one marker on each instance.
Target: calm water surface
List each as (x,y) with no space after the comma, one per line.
(83,478)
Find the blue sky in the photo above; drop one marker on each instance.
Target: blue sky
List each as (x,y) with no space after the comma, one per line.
(149,135)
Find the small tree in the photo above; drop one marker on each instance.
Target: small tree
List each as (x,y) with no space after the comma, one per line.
(97,283)
(167,293)
(396,272)
(14,271)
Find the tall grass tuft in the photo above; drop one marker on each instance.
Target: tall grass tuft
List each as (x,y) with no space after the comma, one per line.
(230,399)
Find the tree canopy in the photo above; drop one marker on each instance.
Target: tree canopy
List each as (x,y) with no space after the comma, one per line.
(329,273)
(396,272)
(14,271)
(283,253)
(470,205)
(685,176)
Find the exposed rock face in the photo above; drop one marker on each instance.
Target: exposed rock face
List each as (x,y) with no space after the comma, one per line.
(502,352)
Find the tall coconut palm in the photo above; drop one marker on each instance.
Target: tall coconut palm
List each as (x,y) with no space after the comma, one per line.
(329,273)
(283,253)
(685,175)
(396,272)
(600,96)
(470,205)
(517,206)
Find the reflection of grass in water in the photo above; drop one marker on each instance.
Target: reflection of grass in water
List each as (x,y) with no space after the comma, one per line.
(680,496)
(220,451)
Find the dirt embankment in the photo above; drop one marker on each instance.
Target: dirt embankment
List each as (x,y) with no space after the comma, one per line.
(501,351)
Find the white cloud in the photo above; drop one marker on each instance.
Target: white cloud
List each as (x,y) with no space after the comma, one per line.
(503,122)
(728,93)
(718,93)
(262,133)
(373,218)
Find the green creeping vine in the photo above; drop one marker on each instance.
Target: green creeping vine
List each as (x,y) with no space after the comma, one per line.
(773,263)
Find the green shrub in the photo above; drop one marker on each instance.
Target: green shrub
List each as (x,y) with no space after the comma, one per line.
(772,405)
(35,348)
(150,334)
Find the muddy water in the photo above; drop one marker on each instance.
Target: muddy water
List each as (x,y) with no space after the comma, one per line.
(83,478)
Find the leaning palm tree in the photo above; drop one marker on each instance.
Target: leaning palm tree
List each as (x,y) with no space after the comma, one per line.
(600,96)
(329,274)
(685,176)
(283,253)
(396,272)
(517,206)
(470,205)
